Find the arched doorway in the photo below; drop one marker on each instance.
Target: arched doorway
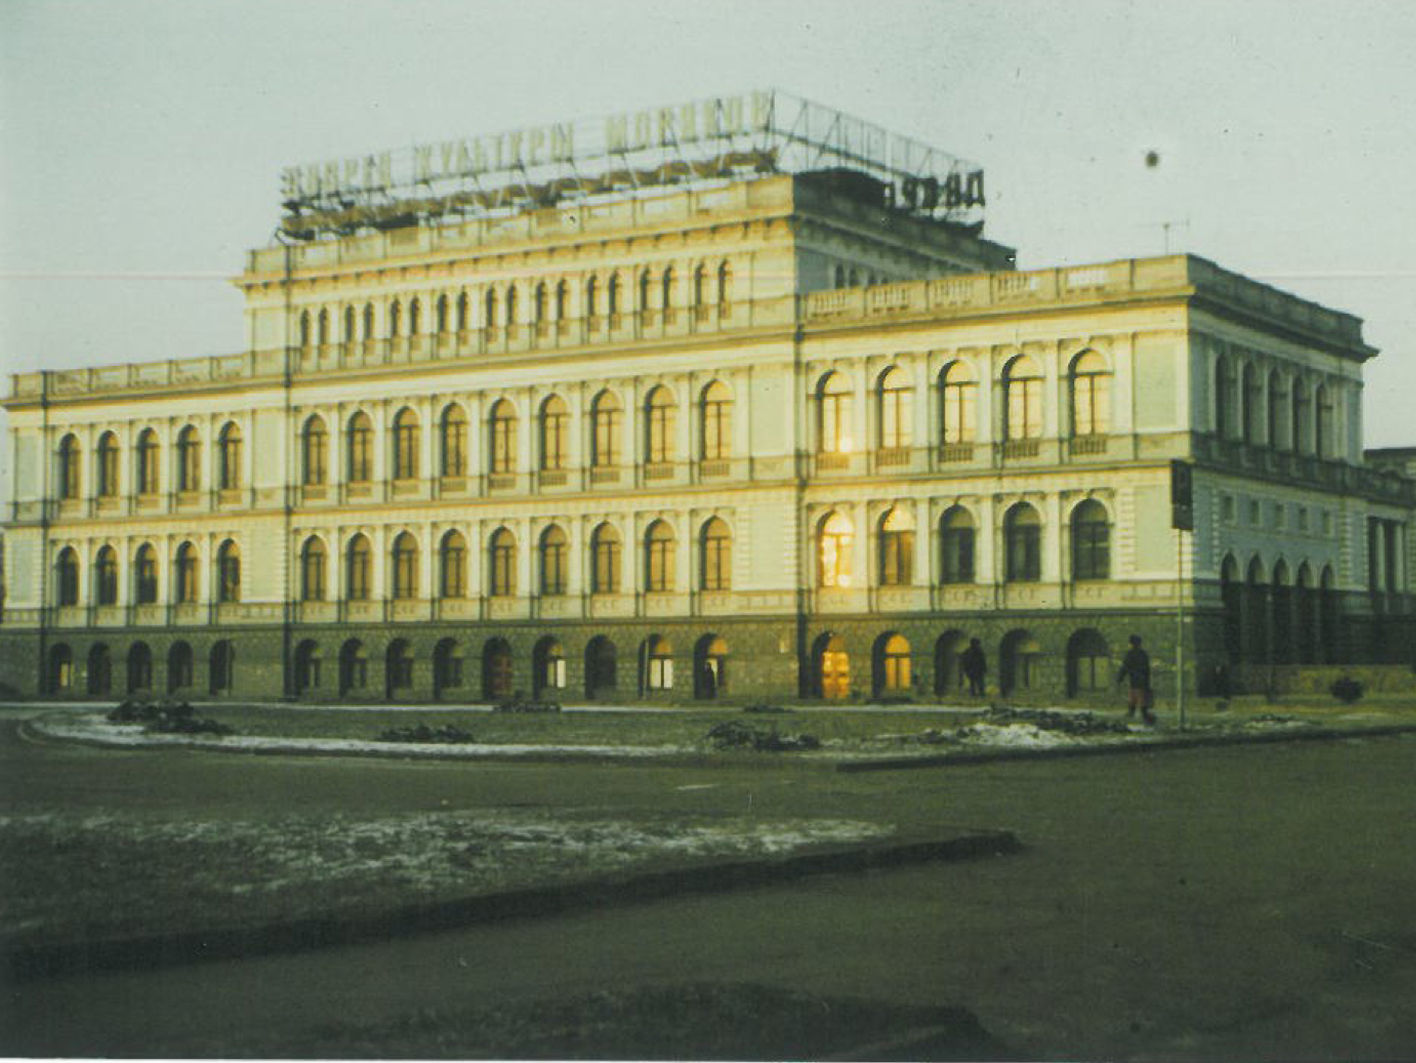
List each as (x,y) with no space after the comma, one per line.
(948,675)
(447,667)
(710,675)
(891,671)
(139,668)
(353,667)
(833,667)
(1088,663)
(61,669)
(307,666)
(1018,659)
(1282,594)
(497,674)
(398,668)
(100,670)
(222,667)
(600,668)
(1256,615)
(656,672)
(1231,594)
(179,667)
(547,667)
(1305,596)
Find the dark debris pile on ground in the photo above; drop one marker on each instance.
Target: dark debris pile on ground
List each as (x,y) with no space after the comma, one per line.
(734,734)
(1072,723)
(165,717)
(517,703)
(421,732)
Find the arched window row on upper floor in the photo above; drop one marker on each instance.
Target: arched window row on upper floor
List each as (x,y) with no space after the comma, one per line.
(1285,408)
(109,586)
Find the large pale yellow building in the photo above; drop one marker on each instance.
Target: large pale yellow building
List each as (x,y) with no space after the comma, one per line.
(731,399)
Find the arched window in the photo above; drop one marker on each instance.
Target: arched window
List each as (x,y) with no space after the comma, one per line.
(717,554)
(100,670)
(725,285)
(666,290)
(312,570)
(228,573)
(658,663)
(452,566)
(139,667)
(897,543)
(145,575)
(700,275)
(895,396)
(553,561)
(1223,397)
(1022,399)
(184,582)
(548,666)
(69,462)
(60,672)
(395,318)
(1323,437)
(659,426)
(447,666)
(398,667)
(405,566)
(538,306)
(1020,658)
(368,321)
(717,427)
(959,396)
(452,442)
(1250,394)
(562,300)
(834,415)
(308,661)
(314,452)
(833,667)
(502,556)
(230,444)
(1022,535)
(189,460)
(304,328)
(147,462)
(221,667)
(66,577)
(511,296)
(659,557)
(353,666)
(1088,663)
(105,576)
(956,546)
(605,560)
(405,445)
(644,292)
(489,318)
(179,667)
(462,308)
(600,667)
(1279,437)
(1302,414)
(1091,395)
(1091,541)
(323,331)
(498,670)
(415,317)
(605,417)
(502,426)
(612,299)
(107,465)
(349,331)
(892,672)
(592,291)
(358,569)
(838,277)
(555,434)
(361,449)
(834,551)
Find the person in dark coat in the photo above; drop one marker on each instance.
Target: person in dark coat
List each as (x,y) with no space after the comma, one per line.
(974,666)
(1136,666)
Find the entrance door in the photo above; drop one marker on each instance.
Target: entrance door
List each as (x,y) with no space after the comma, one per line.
(496,671)
(835,669)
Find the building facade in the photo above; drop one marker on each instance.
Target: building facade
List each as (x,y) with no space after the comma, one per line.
(769,435)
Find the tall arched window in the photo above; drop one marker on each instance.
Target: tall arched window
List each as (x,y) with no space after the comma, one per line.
(644,292)
(1250,395)
(592,294)
(605,417)
(1223,397)
(892,665)
(184,573)
(700,295)
(368,321)
(452,441)
(502,427)
(834,415)
(230,459)
(1302,415)
(538,305)
(956,546)
(553,561)
(405,566)
(66,577)
(358,569)
(322,334)
(395,318)
(148,463)
(69,464)
(1279,437)
(228,572)
(313,563)
(360,449)
(189,460)
(1091,541)
(555,434)
(612,296)
(415,317)
(659,557)
(959,398)
(1022,535)
(659,426)
(666,290)
(1091,395)
(314,452)
(107,465)
(896,399)
(717,427)
(897,543)
(305,328)
(105,576)
(1022,399)
(452,566)
(440,315)
(834,551)
(145,575)
(511,296)
(350,334)
(405,445)
(489,317)
(463,306)
(658,663)
(605,560)
(1323,438)
(502,556)
(717,554)
(562,300)
(725,284)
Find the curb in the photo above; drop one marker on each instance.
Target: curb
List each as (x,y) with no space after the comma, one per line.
(1057,752)
(162,950)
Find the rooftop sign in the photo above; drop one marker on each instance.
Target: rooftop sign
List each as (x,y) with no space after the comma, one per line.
(752,134)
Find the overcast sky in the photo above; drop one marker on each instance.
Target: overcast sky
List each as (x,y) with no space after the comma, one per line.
(141,142)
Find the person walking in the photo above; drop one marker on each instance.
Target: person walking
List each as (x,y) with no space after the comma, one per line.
(974,666)
(1136,666)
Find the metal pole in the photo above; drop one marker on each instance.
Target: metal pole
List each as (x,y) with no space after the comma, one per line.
(1180,624)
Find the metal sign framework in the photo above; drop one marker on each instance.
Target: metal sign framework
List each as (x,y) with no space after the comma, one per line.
(656,151)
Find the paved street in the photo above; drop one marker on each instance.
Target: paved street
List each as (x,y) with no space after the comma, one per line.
(1250,901)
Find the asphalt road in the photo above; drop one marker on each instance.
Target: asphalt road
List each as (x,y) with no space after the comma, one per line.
(1249,902)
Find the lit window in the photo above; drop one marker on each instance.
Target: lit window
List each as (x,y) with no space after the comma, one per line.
(659,557)
(896,398)
(834,415)
(1091,395)
(834,558)
(959,396)
(717,421)
(896,549)
(658,664)
(1022,400)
